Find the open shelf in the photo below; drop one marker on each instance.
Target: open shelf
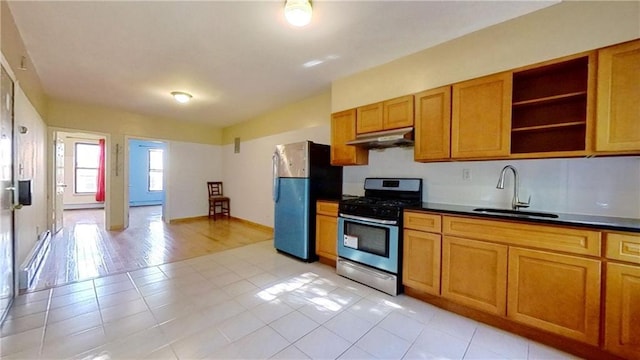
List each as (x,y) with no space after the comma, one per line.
(551,126)
(549,99)
(549,109)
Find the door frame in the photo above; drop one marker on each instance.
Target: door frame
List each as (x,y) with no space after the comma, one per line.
(52,134)
(15,267)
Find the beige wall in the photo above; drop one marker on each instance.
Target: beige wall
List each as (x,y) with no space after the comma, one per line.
(556,31)
(310,112)
(63,114)
(118,125)
(31,153)
(13,50)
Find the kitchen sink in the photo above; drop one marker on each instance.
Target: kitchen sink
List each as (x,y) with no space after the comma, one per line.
(516,212)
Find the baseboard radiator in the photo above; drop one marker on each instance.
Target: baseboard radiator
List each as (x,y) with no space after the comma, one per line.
(34,260)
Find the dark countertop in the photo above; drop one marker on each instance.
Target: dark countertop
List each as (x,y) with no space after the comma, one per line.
(589,221)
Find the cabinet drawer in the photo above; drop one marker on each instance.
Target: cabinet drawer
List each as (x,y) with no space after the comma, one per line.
(623,247)
(422,221)
(329,208)
(577,241)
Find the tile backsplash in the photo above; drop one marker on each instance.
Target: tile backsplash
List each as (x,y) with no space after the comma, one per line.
(608,186)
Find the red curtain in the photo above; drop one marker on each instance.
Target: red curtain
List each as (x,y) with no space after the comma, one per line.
(100,190)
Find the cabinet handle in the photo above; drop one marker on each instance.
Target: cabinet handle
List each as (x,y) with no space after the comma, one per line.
(631,248)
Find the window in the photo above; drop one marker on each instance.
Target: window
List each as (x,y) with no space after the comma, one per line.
(86,168)
(155,169)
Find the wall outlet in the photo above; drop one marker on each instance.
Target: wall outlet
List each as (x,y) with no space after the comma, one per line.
(466,174)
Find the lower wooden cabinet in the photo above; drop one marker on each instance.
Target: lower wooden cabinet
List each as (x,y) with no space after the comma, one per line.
(474,273)
(622,329)
(554,292)
(326,234)
(327,229)
(421,263)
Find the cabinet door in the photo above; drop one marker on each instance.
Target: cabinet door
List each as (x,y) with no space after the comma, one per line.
(343,129)
(556,293)
(481,117)
(474,273)
(398,113)
(326,235)
(433,125)
(421,261)
(622,326)
(370,118)
(617,122)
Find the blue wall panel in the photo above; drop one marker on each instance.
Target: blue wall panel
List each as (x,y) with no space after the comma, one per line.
(139,193)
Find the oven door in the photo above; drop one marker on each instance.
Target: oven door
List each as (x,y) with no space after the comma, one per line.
(369,242)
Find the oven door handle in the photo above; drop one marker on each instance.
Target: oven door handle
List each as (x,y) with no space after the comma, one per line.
(375,221)
(366,270)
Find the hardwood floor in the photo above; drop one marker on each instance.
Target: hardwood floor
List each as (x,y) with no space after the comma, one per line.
(85,250)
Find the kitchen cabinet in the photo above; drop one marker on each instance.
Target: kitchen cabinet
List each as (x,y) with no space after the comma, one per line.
(543,286)
(552,109)
(343,129)
(433,125)
(481,117)
(327,229)
(474,273)
(617,123)
(623,247)
(555,292)
(622,327)
(369,118)
(391,114)
(575,288)
(545,237)
(422,252)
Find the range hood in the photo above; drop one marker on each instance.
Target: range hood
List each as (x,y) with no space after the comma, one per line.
(384,139)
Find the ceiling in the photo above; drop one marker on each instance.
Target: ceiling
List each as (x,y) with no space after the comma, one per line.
(238,59)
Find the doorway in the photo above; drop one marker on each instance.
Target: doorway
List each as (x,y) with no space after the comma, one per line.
(146,180)
(79,175)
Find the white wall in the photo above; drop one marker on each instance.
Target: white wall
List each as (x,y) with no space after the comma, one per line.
(71,199)
(248,175)
(596,186)
(188,167)
(31,152)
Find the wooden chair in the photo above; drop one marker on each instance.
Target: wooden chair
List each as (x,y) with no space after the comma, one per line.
(219,205)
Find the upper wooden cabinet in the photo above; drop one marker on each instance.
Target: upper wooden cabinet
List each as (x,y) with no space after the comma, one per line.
(618,110)
(481,117)
(391,114)
(433,125)
(369,118)
(343,129)
(552,113)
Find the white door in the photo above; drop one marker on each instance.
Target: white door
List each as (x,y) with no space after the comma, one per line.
(6,195)
(58,202)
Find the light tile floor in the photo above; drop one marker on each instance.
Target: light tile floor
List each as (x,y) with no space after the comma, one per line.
(249,302)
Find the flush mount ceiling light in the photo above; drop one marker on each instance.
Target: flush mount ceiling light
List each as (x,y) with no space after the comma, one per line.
(298,12)
(181,97)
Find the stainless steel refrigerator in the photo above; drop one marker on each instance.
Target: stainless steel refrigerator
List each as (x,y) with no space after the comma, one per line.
(302,173)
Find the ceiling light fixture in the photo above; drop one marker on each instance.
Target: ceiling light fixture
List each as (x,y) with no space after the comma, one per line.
(298,12)
(181,97)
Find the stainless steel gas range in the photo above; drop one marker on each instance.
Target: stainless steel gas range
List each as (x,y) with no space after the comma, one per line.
(370,232)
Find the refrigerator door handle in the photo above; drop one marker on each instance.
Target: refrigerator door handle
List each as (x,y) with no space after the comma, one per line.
(275,189)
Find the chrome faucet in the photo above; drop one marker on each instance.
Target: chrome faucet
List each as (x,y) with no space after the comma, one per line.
(516,204)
